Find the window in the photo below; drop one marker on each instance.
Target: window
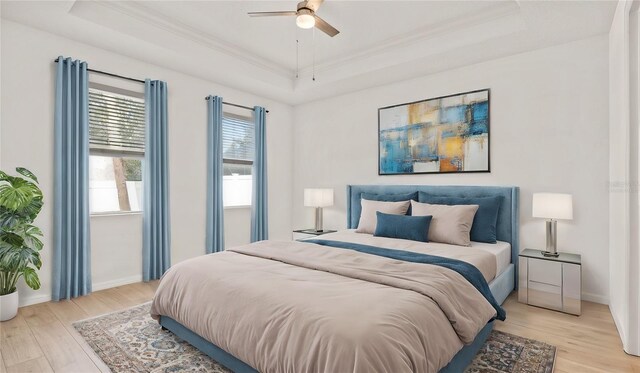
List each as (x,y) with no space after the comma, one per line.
(238,148)
(116,144)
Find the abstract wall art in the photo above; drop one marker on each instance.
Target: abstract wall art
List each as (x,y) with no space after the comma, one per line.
(446,134)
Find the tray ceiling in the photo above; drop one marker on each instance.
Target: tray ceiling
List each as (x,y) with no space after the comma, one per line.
(380,41)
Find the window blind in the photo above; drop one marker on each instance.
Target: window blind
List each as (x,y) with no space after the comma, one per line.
(237,139)
(116,122)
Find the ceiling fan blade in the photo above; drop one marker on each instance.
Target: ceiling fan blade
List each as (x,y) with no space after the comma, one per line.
(323,26)
(272,14)
(314,4)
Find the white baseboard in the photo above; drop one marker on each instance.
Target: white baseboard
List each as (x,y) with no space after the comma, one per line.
(27,301)
(619,326)
(35,299)
(596,298)
(118,282)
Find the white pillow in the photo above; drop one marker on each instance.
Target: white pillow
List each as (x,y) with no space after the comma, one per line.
(450,223)
(368,219)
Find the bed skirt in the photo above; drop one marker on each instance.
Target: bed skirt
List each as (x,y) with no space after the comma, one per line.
(504,284)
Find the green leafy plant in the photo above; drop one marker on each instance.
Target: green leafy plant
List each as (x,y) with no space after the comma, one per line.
(20,243)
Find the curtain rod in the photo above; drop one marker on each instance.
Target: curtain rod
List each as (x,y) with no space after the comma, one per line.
(236,105)
(111,74)
(142,81)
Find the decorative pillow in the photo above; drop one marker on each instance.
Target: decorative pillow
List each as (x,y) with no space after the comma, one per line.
(391,198)
(414,228)
(450,224)
(367,223)
(484,228)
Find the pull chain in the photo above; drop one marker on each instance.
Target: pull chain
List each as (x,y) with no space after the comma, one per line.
(297,59)
(313,47)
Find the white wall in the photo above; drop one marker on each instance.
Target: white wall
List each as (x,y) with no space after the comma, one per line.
(624,209)
(27,106)
(549,113)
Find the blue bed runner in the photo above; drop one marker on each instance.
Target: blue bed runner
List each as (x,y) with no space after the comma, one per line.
(468,271)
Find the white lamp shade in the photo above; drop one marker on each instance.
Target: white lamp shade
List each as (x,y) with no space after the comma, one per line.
(552,206)
(318,197)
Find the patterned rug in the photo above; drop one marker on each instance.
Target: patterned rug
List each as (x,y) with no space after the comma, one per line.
(508,353)
(131,341)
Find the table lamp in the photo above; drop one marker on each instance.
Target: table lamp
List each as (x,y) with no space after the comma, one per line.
(552,206)
(318,198)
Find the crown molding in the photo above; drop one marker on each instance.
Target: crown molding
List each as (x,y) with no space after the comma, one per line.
(134,29)
(499,11)
(149,16)
(153,18)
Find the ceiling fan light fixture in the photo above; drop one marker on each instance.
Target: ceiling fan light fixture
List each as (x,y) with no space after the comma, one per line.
(305,19)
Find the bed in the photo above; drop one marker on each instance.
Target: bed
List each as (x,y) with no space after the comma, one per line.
(508,225)
(297,306)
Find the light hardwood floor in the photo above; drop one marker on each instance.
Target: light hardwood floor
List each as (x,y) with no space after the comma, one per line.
(41,338)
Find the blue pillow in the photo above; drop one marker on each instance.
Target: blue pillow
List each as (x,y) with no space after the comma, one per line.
(391,198)
(415,228)
(484,228)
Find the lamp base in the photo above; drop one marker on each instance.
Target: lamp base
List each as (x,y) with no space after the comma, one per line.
(552,239)
(318,227)
(550,254)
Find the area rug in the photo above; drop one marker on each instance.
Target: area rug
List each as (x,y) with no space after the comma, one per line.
(131,341)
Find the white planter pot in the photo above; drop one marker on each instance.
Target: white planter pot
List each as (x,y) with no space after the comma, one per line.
(8,306)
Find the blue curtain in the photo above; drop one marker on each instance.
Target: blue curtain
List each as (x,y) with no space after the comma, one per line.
(156,249)
(71,251)
(259,212)
(215,209)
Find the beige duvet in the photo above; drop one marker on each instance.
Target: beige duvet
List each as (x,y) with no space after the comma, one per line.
(301,307)
(481,259)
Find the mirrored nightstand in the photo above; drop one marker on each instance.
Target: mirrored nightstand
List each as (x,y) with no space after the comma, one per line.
(303,234)
(550,282)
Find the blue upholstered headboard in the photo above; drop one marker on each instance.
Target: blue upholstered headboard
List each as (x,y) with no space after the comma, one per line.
(508,221)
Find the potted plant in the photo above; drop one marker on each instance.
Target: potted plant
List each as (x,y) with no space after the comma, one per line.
(20,244)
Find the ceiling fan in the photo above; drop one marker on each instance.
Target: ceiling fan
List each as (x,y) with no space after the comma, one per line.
(305,17)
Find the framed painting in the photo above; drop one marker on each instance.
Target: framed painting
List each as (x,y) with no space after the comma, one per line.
(448,134)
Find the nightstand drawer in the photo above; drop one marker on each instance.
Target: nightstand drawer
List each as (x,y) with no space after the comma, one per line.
(545,295)
(546,272)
